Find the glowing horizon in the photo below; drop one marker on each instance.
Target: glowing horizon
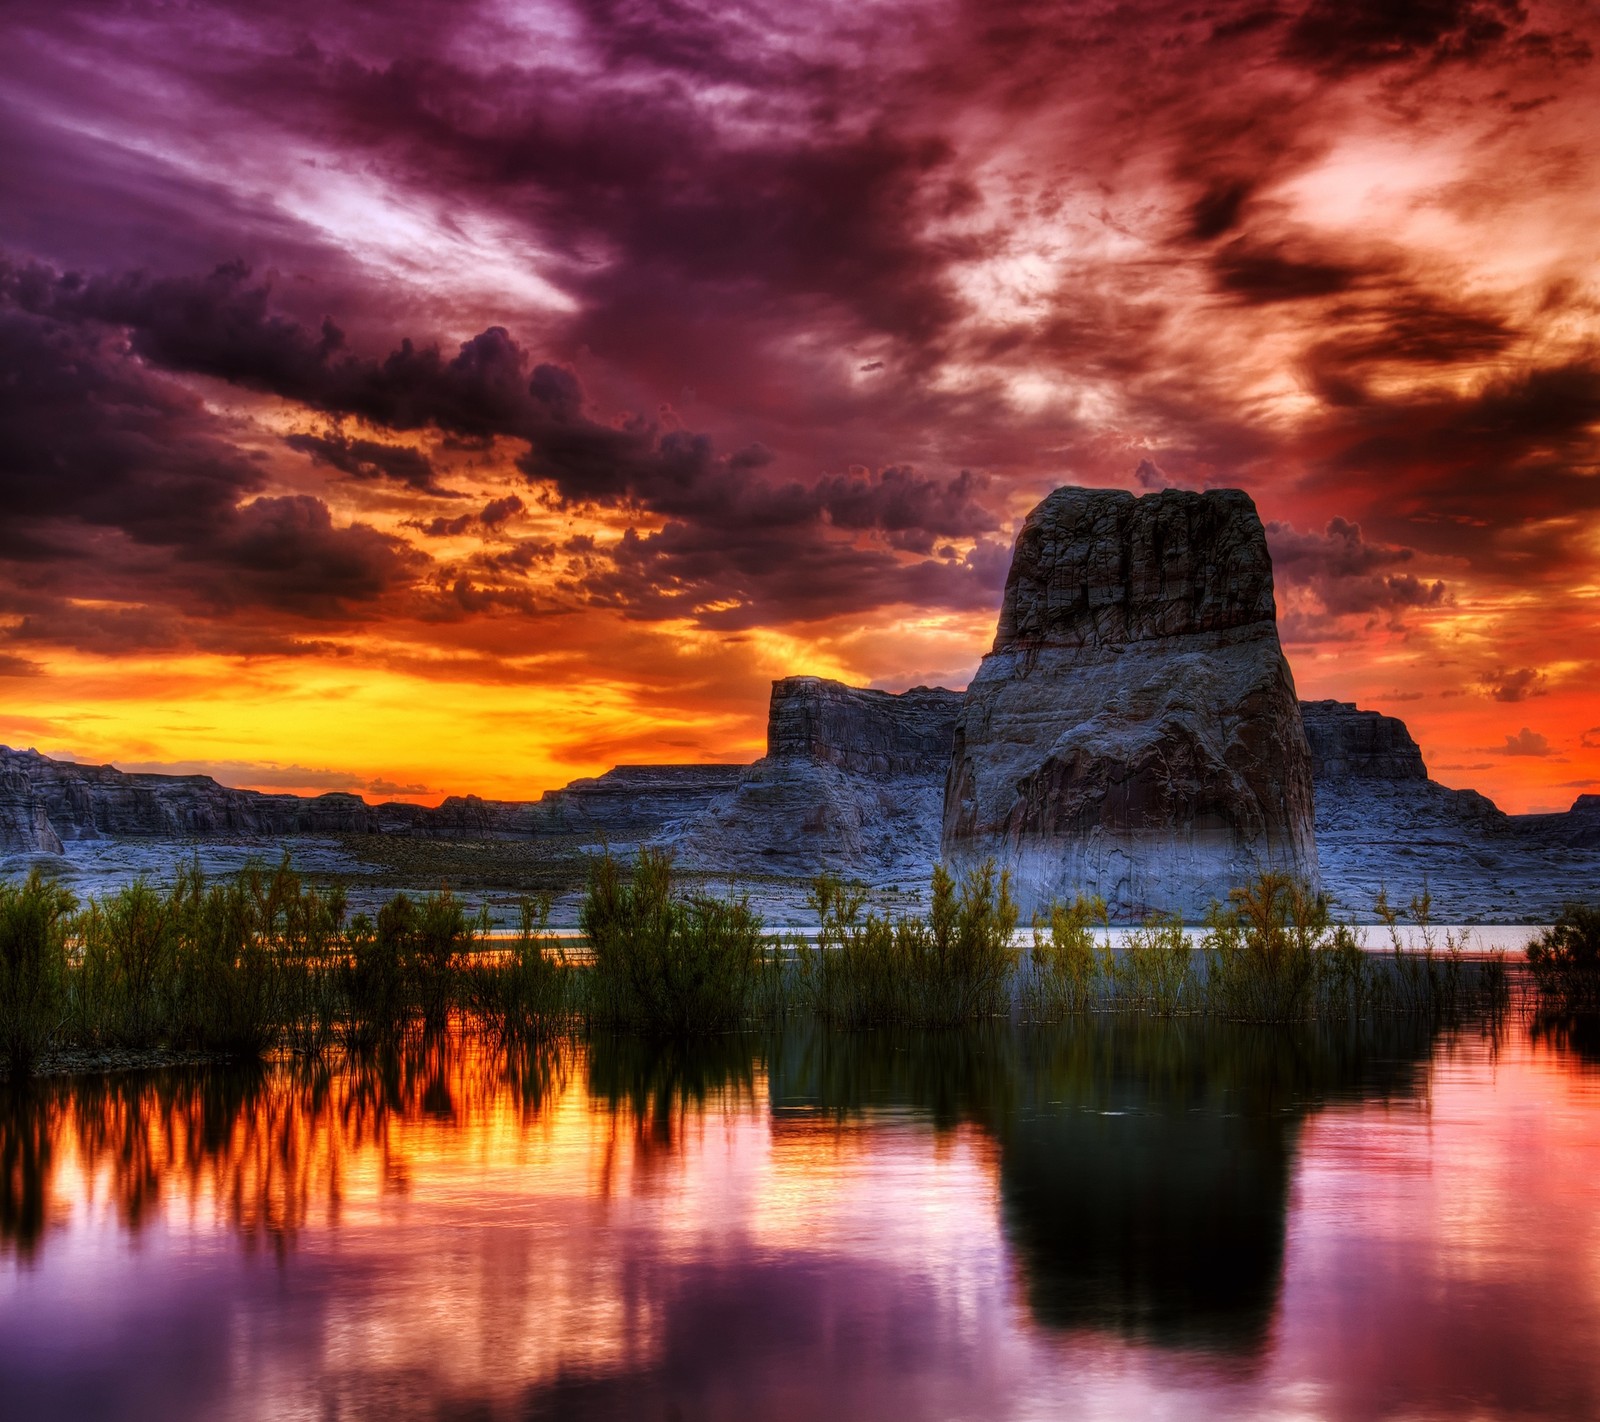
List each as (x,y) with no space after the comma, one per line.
(449,400)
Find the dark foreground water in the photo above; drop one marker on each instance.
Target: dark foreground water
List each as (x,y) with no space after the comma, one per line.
(1103,1221)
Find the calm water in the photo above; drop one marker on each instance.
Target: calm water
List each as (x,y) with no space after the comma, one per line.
(1098,1221)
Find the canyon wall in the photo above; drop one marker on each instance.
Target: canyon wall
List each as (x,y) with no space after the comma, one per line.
(852,783)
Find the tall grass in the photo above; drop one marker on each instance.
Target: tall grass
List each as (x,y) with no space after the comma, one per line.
(530,991)
(33,968)
(954,966)
(664,963)
(263,960)
(1262,950)
(1066,963)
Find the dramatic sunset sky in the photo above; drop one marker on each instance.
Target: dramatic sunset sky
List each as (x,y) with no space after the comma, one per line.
(421,398)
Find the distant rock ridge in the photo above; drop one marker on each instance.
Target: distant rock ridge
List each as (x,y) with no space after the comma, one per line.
(1134,732)
(44,802)
(852,783)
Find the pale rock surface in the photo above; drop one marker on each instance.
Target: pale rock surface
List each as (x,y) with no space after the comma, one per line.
(852,783)
(1134,733)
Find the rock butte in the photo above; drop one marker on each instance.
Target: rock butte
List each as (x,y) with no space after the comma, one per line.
(1134,734)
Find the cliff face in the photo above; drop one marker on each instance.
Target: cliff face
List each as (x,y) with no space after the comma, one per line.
(851,783)
(1350,744)
(1134,733)
(1383,824)
(24,825)
(97,801)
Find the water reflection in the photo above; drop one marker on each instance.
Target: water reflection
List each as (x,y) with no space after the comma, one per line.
(808,1222)
(1144,1167)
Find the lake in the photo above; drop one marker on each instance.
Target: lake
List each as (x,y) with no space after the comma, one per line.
(1107,1219)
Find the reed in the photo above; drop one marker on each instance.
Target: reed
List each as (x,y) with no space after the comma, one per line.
(1064,968)
(666,964)
(1261,951)
(954,966)
(530,991)
(33,968)
(1155,973)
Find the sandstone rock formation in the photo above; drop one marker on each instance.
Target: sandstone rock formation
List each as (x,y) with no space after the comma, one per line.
(630,804)
(65,800)
(24,825)
(1134,733)
(1384,824)
(852,783)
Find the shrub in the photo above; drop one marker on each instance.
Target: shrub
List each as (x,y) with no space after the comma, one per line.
(224,989)
(1066,963)
(863,968)
(1261,952)
(125,985)
(1565,957)
(969,955)
(662,964)
(33,968)
(372,976)
(1427,981)
(953,967)
(1154,973)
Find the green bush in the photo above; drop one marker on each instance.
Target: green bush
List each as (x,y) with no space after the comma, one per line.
(1565,957)
(1154,973)
(33,968)
(663,964)
(1426,981)
(1065,965)
(224,994)
(127,981)
(1261,952)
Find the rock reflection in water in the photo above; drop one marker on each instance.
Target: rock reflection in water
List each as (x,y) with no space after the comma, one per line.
(1144,1166)
(858,1224)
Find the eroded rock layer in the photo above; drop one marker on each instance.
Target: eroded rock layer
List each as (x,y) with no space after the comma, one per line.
(44,802)
(24,825)
(1134,732)
(1384,825)
(852,783)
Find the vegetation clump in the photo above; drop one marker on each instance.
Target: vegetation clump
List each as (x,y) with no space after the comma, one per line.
(33,968)
(263,961)
(663,963)
(954,966)
(527,992)
(1565,958)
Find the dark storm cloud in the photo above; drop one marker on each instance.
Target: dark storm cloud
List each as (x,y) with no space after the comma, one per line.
(746,211)
(1340,36)
(726,516)
(1347,574)
(121,486)
(1495,475)
(1259,274)
(367,459)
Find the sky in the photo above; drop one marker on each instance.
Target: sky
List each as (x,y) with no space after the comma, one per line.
(430,398)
